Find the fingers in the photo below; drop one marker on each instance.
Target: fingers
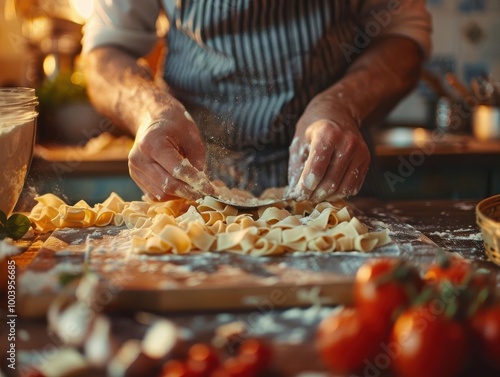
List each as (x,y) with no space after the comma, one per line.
(146,185)
(318,142)
(193,149)
(181,169)
(160,180)
(349,184)
(336,165)
(318,159)
(332,179)
(180,152)
(298,156)
(155,182)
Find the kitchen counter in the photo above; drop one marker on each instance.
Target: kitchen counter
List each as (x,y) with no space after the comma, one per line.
(449,224)
(416,163)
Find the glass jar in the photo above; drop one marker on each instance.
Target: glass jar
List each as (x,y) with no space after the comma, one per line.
(453,116)
(17,140)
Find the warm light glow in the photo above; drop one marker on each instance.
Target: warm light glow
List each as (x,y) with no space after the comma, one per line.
(49,65)
(420,136)
(36,29)
(9,11)
(486,123)
(78,78)
(83,8)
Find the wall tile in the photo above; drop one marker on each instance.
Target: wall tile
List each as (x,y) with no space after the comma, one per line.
(465,41)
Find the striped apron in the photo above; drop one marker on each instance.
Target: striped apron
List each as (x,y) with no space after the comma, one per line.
(246,70)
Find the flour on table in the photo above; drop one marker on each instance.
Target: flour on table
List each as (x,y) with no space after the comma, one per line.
(464,206)
(7,249)
(458,235)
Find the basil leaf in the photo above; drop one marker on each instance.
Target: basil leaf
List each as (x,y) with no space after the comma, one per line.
(3,218)
(17,226)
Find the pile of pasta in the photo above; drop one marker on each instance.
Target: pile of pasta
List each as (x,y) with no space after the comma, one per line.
(181,226)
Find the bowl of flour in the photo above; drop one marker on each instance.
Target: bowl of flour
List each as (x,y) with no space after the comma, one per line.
(17,139)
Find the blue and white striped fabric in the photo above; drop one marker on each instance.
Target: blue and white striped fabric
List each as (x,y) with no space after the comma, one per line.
(247,69)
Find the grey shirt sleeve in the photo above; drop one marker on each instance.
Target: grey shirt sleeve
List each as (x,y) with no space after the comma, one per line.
(127,24)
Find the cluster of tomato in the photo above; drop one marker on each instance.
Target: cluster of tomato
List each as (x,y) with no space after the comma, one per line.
(252,359)
(442,322)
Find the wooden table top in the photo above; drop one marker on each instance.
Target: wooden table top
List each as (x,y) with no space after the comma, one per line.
(449,224)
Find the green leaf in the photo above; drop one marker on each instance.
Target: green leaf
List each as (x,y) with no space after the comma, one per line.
(60,90)
(443,259)
(66,278)
(3,218)
(425,296)
(17,226)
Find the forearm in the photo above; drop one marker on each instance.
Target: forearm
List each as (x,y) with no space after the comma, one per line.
(123,89)
(377,80)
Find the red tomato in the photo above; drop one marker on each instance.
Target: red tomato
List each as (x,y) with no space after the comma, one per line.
(344,342)
(452,269)
(255,354)
(177,368)
(477,291)
(219,372)
(234,367)
(428,344)
(485,328)
(384,287)
(34,373)
(202,359)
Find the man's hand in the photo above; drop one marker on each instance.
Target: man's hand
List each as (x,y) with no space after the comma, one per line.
(168,157)
(329,158)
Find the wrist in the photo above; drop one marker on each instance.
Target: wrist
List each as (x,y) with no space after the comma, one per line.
(160,111)
(333,104)
(172,116)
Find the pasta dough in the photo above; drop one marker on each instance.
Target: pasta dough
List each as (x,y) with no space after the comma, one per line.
(180,226)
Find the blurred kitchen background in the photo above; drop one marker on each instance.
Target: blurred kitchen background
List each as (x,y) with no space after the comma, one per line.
(421,151)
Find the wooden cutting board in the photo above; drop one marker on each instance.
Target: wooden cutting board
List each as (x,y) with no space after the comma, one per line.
(204,281)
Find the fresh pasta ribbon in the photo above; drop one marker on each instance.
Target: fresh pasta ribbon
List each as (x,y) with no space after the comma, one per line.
(77,216)
(265,246)
(188,217)
(175,207)
(273,215)
(218,228)
(365,242)
(241,241)
(202,240)
(113,203)
(345,244)
(209,204)
(104,217)
(176,238)
(51,213)
(322,242)
(181,226)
